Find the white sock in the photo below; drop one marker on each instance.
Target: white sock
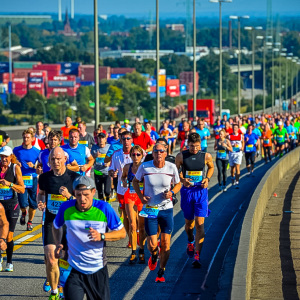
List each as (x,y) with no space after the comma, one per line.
(54,291)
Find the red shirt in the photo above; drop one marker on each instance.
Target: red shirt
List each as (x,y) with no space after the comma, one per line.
(181,135)
(38,144)
(229,130)
(143,140)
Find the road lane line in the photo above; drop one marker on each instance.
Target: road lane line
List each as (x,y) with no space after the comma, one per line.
(24,238)
(27,232)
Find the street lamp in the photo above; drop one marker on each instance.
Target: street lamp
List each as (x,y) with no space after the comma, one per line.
(297,82)
(220,42)
(194,60)
(252,29)
(286,81)
(157,67)
(273,74)
(44,108)
(260,37)
(96,56)
(239,58)
(283,54)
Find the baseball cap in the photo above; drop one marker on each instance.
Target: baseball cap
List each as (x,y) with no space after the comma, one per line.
(126,121)
(161,140)
(102,135)
(279,123)
(146,120)
(6,151)
(84,180)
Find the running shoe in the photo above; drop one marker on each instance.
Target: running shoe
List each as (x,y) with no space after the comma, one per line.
(196,263)
(54,297)
(237,185)
(9,267)
(29,226)
(22,219)
(224,188)
(220,188)
(133,259)
(61,292)
(46,286)
(128,245)
(190,249)
(1,261)
(138,238)
(142,258)
(152,262)
(160,276)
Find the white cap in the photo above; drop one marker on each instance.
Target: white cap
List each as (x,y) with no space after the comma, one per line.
(6,151)
(279,123)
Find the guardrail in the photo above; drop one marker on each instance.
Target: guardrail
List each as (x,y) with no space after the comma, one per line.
(241,283)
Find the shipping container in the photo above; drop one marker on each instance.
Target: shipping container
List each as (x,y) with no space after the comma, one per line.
(87,72)
(170,77)
(4,67)
(25,64)
(122,70)
(162,80)
(21,72)
(19,85)
(52,83)
(3,97)
(38,74)
(162,72)
(70,65)
(174,94)
(62,78)
(34,86)
(53,73)
(183,93)
(171,88)
(20,79)
(173,82)
(205,109)
(61,90)
(87,83)
(145,75)
(116,76)
(151,82)
(47,67)
(5,77)
(35,79)
(182,87)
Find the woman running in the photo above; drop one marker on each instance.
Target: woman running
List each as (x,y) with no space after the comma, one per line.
(133,205)
(266,138)
(11,183)
(223,146)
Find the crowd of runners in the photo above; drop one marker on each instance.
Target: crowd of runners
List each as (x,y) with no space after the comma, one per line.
(73,176)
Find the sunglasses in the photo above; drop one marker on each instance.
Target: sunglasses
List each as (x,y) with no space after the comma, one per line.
(126,138)
(160,151)
(136,154)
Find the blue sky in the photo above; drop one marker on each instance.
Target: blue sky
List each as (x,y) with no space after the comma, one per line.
(145,7)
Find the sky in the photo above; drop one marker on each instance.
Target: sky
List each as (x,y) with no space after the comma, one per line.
(146,7)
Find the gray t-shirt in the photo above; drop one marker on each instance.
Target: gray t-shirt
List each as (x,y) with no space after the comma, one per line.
(87,140)
(99,161)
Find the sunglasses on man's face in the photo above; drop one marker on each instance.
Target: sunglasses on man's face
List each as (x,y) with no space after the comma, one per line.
(136,154)
(159,150)
(126,138)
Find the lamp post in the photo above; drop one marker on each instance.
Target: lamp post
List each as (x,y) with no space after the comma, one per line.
(238,18)
(44,108)
(283,54)
(220,47)
(286,80)
(96,55)
(260,37)
(297,82)
(157,67)
(194,60)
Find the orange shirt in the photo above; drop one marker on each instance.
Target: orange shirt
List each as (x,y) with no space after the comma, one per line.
(65,131)
(266,136)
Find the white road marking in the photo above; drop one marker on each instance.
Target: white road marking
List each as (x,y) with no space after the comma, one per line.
(24,238)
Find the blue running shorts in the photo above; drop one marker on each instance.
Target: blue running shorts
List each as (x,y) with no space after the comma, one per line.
(164,220)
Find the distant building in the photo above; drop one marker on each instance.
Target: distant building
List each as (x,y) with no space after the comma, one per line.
(67,27)
(135,54)
(120,33)
(148,27)
(176,27)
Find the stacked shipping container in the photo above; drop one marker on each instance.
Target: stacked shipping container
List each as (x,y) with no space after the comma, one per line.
(37,81)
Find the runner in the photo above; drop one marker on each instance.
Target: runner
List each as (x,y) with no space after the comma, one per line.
(65,129)
(56,186)
(167,134)
(4,138)
(250,141)
(133,206)
(223,147)
(280,136)
(101,168)
(40,134)
(204,134)
(37,143)
(81,153)
(11,183)
(235,157)
(158,175)
(85,138)
(217,128)
(153,134)
(28,157)
(4,229)
(141,138)
(266,138)
(87,221)
(194,196)
(115,137)
(292,132)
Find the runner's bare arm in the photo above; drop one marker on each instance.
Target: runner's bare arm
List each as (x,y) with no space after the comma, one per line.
(73,166)
(107,159)
(114,235)
(4,226)
(210,165)
(41,199)
(125,174)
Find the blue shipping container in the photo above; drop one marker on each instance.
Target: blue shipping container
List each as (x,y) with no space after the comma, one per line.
(153,95)
(145,75)
(78,80)
(116,76)
(70,65)
(182,87)
(151,82)
(3,98)
(162,89)
(182,93)
(87,83)
(61,83)
(171,77)
(69,71)
(35,79)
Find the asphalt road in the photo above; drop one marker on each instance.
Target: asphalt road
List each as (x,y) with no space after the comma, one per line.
(212,281)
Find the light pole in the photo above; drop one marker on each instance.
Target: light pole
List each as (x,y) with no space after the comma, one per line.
(194,60)
(252,29)
(282,54)
(297,82)
(220,47)
(239,58)
(260,37)
(157,67)
(44,108)
(96,55)
(286,79)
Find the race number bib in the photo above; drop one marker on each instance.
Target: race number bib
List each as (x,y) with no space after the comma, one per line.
(100,159)
(221,154)
(131,189)
(195,176)
(86,143)
(249,148)
(28,181)
(6,192)
(64,271)
(54,202)
(266,142)
(280,138)
(236,148)
(150,212)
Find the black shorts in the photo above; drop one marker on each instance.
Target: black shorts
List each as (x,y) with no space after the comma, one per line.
(12,211)
(48,238)
(250,158)
(95,286)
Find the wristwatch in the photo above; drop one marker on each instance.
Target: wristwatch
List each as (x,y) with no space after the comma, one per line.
(5,241)
(208,179)
(102,236)
(11,185)
(172,193)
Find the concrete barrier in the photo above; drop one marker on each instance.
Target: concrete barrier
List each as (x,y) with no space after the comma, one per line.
(241,283)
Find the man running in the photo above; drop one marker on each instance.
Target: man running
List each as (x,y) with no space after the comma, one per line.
(194,195)
(66,129)
(280,136)
(90,223)
(204,134)
(28,157)
(56,187)
(250,141)
(158,175)
(141,138)
(85,138)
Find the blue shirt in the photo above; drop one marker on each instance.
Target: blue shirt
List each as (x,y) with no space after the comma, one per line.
(111,140)
(250,144)
(256,131)
(154,135)
(217,129)
(114,147)
(80,153)
(203,133)
(291,129)
(44,159)
(27,155)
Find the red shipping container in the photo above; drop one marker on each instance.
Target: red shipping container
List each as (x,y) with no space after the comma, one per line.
(174,94)
(172,82)
(19,85)
(61,90)
(172,88)
(5,76)
(152,89)
(38,74)
(122,70)
(35,86)
(77,86)
(47,67)
(20,79)
(22,72)
(62,78)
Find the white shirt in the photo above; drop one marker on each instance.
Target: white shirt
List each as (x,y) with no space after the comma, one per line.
(156,181)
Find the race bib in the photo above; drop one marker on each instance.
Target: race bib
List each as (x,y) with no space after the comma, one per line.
(54,202)
(195,176)
(64,271)
(100,159)
(249,148)
(221,154)
(6,192)
(131,189)
(86,143)
(280,138)
(28,181)
(266,142)
(236,148)
(150,212)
